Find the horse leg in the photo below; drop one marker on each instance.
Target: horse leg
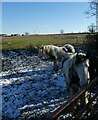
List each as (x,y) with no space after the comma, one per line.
(73,89)
(55,65)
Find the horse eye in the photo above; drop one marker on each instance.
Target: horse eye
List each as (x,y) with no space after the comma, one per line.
(86,65)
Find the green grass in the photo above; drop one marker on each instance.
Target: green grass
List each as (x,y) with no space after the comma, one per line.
(21,42)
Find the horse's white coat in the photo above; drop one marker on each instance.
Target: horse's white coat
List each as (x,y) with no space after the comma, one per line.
(55,53)
(71,67)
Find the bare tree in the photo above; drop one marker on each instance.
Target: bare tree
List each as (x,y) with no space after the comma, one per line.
(62,31)
(97,16)
(26,33)
(93,11)
(91,38)
(92,28)
(92,8)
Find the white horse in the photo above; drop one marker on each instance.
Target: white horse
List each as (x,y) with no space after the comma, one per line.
(75,70)
(55,53)
(69,48)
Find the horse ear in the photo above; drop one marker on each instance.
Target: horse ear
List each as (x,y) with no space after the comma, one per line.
(84,57)
(42,47)
(80,57)
(64,49)
(77,59)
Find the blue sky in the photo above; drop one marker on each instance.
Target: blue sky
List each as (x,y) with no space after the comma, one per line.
(45,17)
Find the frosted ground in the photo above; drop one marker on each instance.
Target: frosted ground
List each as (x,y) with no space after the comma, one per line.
(30,87)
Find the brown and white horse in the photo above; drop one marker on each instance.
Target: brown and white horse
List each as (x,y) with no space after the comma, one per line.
(75,71)
(55,53)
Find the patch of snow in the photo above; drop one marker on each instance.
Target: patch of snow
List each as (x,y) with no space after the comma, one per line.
(30,87)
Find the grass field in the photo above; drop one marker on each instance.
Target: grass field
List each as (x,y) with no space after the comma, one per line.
(21,42)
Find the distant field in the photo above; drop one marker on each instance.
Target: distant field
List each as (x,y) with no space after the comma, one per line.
(21,42)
